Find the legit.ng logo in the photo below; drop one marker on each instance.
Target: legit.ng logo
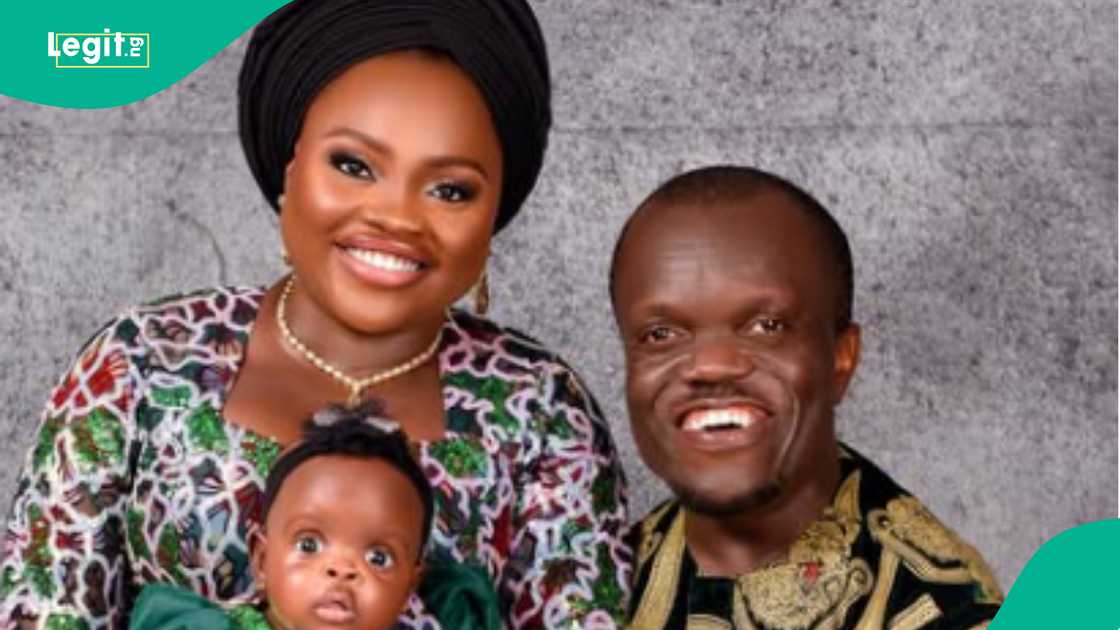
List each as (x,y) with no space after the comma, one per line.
(100,50)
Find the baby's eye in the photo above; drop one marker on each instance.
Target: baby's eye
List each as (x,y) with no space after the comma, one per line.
(380,557)
(351,165)
(308,544)
(452,192)
(656,335)
(767,325)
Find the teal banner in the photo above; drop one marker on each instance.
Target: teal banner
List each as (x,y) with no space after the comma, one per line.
(106,54)
(1069,583)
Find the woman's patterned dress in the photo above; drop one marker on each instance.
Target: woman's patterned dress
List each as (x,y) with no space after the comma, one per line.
(136,478)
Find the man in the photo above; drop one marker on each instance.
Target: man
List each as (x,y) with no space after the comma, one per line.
(732,290)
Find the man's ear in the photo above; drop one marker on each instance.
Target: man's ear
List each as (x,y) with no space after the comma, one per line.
(845,360)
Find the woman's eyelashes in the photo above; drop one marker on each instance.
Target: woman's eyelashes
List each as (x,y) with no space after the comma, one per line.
(448,191)
(351,165)
(453,192)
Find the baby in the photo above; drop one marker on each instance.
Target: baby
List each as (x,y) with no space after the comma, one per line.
(346,516)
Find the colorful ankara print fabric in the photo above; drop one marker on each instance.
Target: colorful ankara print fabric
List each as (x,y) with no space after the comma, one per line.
(136,478)
(876,558)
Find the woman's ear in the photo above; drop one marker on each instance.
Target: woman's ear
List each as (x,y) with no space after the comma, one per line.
(291,162)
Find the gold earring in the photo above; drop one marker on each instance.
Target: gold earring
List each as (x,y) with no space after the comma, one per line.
(280,200)
(482,294)
(284,256)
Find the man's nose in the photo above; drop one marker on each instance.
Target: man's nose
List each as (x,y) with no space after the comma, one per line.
(716,359)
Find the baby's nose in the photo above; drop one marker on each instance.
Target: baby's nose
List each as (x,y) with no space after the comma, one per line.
(341,570)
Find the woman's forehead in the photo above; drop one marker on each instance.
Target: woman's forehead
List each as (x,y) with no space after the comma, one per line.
(405,100)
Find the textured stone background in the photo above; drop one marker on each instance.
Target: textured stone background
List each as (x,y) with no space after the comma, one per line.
(968,147)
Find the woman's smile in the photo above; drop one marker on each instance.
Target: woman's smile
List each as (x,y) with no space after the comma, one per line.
(381,269)
(384,262)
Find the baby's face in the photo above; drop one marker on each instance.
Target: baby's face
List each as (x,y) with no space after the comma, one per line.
(340,546)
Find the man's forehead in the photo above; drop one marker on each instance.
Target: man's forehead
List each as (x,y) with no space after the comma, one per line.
(764,216)
(763,241)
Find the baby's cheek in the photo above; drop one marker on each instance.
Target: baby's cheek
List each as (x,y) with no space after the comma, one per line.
(385,599)
(290,582)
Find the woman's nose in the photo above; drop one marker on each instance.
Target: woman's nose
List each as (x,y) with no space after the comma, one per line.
(393,207)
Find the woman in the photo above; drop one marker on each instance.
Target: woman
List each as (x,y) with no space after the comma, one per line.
(394,138)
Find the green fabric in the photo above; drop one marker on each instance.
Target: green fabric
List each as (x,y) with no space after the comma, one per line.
(166,607)
(248,618)
(461,597)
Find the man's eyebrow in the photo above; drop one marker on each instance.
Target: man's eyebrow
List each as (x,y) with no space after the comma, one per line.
(656,309)
(436,161)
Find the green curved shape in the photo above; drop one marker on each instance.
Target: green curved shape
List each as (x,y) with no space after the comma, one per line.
(1071,582)
(158,44)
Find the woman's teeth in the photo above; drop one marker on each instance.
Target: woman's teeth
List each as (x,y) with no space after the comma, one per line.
(717,419)
(381,260)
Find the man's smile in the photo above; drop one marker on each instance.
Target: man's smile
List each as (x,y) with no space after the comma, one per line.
(715,426)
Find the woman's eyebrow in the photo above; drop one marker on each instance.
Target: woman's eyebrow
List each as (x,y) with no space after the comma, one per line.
(451,160)
(364,138)
(436,161)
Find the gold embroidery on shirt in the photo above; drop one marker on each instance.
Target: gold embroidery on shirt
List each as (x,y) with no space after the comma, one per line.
(830,537)
(791,596)
(650,538)
(661,591)
(817,582)
(707,622)
(650,543)
(739,615)
(916,615)
(876,609)
(930,549)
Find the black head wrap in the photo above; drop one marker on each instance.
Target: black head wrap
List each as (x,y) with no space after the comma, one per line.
(298,49)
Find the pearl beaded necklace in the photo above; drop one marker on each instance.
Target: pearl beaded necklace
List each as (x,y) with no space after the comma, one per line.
(356,386)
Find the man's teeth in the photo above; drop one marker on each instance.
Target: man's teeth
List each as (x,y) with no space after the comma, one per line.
(717,418)
(381,260)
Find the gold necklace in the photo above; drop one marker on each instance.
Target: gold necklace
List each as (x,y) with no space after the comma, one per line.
(355,385)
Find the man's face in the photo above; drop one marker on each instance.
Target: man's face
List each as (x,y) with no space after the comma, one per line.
(734,362)
(341,546)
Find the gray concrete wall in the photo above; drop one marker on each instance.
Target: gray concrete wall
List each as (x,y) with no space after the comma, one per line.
(968,147)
